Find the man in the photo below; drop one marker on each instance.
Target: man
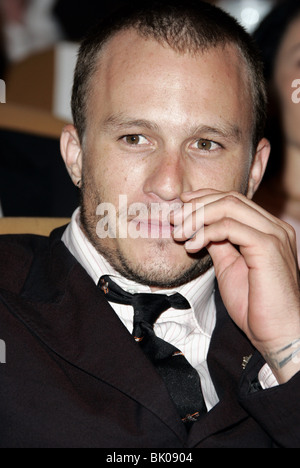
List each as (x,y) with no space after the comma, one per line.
(168,105)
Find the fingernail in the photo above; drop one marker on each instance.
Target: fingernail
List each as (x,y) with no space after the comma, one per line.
(177,231)
(189,244)
(176,216)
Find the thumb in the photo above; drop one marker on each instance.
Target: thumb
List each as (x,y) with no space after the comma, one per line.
(223,255)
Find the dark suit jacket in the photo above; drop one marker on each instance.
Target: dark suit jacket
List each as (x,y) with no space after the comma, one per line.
(74,376)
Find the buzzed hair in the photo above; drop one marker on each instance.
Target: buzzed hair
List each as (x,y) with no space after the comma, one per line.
(186,27)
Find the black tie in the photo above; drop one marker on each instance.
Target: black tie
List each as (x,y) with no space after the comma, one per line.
(181,379)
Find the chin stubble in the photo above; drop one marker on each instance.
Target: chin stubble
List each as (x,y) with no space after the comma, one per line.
(154,275)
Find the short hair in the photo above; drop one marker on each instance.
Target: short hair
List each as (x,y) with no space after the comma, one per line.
(186,26)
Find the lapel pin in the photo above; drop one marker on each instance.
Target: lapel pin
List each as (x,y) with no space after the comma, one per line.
(245,361)
(104,286)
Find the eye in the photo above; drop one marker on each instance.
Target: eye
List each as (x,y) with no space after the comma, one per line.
(207,145)
(135,140)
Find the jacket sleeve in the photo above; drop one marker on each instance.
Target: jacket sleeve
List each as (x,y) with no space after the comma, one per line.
(276,409)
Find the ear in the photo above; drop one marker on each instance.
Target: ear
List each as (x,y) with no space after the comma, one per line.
(71,152)
(258,166)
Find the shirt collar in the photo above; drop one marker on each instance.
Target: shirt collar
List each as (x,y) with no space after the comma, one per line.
(198,292)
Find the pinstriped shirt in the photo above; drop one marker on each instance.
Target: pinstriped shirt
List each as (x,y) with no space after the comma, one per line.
(188,330)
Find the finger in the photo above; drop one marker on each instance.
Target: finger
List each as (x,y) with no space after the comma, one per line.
(223,255)
(188,196)
(188,221)
(255,246)
(233,205)
(193,216)
(207,196)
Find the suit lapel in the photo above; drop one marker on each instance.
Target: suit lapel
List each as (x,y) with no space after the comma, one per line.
(77,323)
(225,357)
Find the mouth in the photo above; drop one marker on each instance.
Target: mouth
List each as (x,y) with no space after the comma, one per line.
(150,229)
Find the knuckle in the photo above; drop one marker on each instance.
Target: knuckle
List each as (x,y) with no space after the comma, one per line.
(291,233)
(232,198)
(231,201)
(272,241)
(285,234)
(227,223)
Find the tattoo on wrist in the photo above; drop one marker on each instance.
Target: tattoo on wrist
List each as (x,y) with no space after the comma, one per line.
(277,360)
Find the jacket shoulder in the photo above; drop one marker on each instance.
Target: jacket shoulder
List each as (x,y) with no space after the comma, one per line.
(17,253)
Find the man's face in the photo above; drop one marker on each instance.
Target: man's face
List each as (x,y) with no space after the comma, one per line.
(159,124)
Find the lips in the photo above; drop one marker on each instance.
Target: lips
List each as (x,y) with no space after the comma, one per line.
(151,228)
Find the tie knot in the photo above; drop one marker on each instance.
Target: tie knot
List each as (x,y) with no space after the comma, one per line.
(147,306)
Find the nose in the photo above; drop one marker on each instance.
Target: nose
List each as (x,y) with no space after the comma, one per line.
(167,178)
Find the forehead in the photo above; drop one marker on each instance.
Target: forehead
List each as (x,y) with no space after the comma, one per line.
(134,72)
(128,48)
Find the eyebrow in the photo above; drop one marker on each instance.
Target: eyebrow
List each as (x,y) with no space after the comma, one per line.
(119,122)
(226,130)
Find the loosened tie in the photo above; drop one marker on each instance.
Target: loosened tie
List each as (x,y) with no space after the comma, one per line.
(181,379)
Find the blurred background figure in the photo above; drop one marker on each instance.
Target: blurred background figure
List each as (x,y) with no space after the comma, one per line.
(33,179)
(28,26)
(278,37)
(40,43)
(38,47)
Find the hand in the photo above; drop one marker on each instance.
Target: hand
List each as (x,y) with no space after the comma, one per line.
(255,261)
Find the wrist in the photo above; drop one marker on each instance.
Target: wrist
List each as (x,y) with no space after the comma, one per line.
(285,361)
